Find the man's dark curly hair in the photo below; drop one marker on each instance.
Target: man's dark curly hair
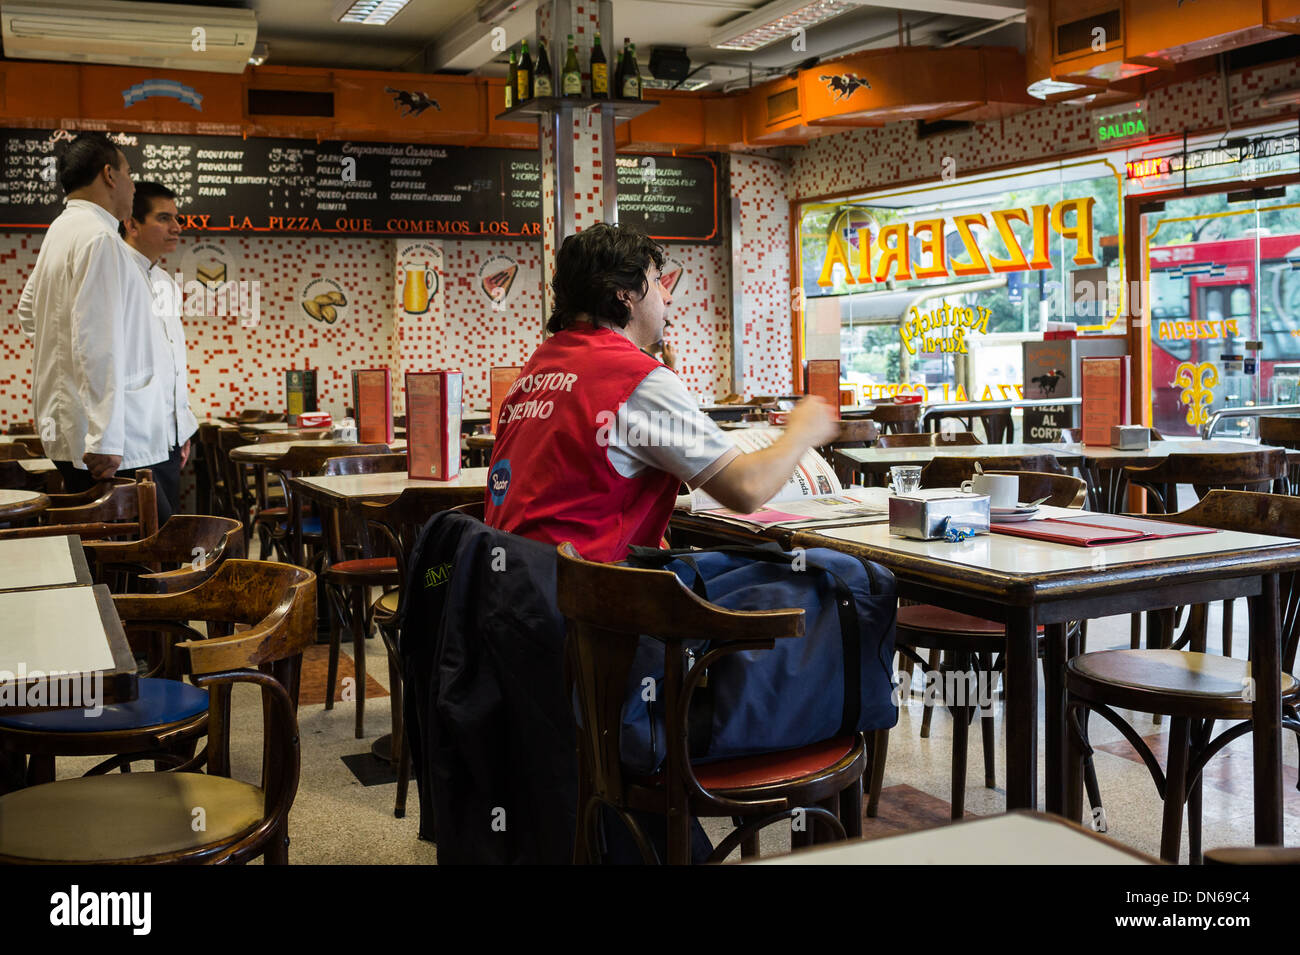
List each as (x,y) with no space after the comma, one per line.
(593,266)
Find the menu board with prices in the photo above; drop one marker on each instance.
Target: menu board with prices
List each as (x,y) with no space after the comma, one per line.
(297,186)
(669,198)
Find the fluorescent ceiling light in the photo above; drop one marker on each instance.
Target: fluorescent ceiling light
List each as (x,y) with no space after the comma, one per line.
(777,21)
(370,12)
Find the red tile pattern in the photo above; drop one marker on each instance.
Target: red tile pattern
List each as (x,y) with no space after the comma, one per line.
(758,185)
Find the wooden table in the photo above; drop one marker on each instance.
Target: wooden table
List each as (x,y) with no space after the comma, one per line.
(1098,464)
(15,505)
(1023,583)
(61,648)
(261,453)
(35,562)
(1016,838)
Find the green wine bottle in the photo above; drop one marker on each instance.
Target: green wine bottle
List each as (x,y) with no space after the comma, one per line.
(543,81)
(571,78)
(632,78)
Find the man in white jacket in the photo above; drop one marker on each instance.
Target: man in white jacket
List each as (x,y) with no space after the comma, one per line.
(151,231)
(88,305)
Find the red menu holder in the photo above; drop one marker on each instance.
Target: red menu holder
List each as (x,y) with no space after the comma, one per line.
(372,396)
(501,381)
(1105,390)
(433,408)
(823,379)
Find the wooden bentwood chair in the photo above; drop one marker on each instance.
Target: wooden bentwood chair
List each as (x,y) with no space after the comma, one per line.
(1194,688)
(820,783)
(140,818)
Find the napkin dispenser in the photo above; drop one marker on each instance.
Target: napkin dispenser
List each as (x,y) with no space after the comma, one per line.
(1129,437)
(926,514)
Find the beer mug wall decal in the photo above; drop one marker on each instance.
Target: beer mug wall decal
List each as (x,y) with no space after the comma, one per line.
(420,286)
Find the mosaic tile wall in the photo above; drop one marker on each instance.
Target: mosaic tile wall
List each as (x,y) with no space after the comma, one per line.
(759,184)
(875,158)
(233,366)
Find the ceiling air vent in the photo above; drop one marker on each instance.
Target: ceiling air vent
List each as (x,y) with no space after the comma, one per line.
(1077,36)
(290,103)
(783,105)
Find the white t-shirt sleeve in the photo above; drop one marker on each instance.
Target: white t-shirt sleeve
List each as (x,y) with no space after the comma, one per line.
(661,426)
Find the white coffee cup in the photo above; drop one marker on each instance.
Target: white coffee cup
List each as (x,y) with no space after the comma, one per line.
(1003,489)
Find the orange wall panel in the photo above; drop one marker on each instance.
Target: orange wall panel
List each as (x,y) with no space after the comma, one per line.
(1154,26)
(39,94)
(677,122)
(370,101)
(131,96)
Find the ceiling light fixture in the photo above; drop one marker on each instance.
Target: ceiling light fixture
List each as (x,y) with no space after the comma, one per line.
(369,12)
(777,21)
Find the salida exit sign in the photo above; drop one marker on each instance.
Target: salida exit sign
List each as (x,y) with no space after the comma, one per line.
(1121,126)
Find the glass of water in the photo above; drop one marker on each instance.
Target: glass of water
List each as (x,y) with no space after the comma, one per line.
(905,478)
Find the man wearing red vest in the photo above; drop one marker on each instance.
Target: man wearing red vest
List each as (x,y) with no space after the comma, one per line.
(596,436)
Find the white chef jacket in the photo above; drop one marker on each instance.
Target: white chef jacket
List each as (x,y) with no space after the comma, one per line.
(88,306)
(167,305)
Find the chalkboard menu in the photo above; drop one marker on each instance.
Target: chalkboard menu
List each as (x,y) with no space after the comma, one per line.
(286,186)
(672,198)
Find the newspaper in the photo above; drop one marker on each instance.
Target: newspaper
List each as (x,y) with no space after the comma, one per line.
(813,496)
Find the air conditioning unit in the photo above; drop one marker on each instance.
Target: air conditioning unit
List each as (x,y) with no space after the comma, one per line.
(157,35)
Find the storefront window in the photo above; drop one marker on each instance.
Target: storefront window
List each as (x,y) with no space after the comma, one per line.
(936,288)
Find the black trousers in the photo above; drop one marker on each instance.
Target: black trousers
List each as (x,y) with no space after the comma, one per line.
(166,474)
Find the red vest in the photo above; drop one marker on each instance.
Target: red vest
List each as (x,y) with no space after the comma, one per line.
(550,478)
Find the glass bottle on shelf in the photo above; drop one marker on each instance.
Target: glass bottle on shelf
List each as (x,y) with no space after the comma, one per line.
(543,83)
(599,71)
(571,78)
(524,87)
(511,82)
(620,72)
(631,75)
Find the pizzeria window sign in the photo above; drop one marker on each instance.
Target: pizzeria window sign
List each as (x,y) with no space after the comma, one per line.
(887,252)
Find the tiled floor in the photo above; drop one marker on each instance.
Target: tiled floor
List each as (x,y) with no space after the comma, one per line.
(337,819)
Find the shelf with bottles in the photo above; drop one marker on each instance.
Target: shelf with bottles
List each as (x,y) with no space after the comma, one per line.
(623,109)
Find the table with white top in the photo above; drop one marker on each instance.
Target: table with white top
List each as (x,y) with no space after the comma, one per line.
(261,453)
(1023,583)
(37,465)
(19,504)
(1094,461)
(1015,838)
(29,563)
(62,647)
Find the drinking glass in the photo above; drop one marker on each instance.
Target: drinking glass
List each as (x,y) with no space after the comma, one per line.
(904,479)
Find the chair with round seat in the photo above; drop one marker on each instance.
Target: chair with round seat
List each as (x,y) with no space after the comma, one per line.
(928,439)
(347,582)
(951,471)
(819,783)
(1284,433)
(145,818)
(14,451)
(1262,470)
(396,526)
(968,651)
(288,530)
(894,418)
(123,511)
(168,714)
(1193,688)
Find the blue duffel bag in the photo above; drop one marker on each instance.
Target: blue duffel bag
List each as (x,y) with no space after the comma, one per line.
(836,679)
